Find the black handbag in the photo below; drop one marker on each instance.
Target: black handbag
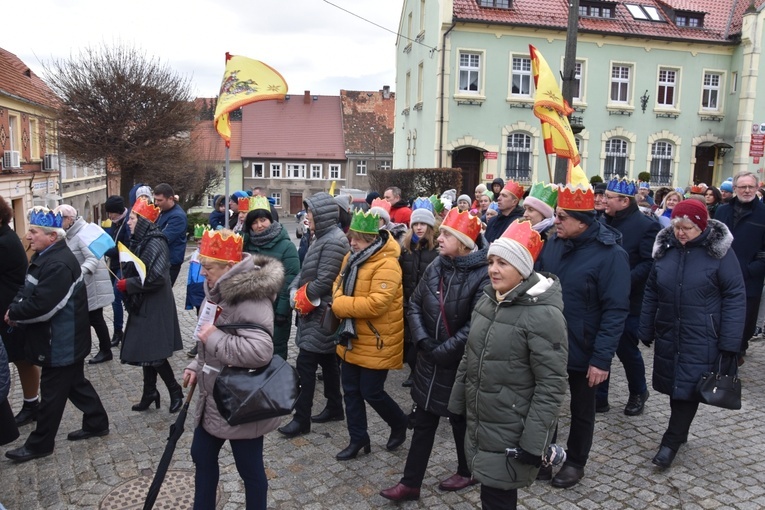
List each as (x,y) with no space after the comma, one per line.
(329,321)
(245,395)
(721,388)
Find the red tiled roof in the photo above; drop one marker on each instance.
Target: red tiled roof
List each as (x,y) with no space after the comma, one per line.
(293,129)
(211,146)
(718,23)
(17,80)
(363,111)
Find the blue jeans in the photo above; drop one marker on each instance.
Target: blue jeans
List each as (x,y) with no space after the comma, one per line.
(367,385)
(117,308)
(248,455)
(632,361)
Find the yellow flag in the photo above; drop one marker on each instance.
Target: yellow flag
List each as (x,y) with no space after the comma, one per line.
(245,81)
(128,256)
(552,110)
(576,176)
(332,188)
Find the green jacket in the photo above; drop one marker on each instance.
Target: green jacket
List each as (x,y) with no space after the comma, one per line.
(512,379)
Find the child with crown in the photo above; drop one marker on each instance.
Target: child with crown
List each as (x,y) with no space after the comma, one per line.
(241,288)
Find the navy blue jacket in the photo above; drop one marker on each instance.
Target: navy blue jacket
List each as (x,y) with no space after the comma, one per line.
(499,223)
(172,223)
(694,307)
(594,273)
(748,242)
(120,233)
(638,235)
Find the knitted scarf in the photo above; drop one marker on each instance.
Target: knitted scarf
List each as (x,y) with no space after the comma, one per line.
(265,237)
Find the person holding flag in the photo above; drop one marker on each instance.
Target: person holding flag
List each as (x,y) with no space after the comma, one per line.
(94,272)
(152,333)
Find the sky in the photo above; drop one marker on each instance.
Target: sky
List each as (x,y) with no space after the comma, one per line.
(313,44)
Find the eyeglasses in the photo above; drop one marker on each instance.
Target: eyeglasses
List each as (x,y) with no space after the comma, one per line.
(746,188)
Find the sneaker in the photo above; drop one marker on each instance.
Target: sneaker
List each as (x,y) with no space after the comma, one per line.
(192,353)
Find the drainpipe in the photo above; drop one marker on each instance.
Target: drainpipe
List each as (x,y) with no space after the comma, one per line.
(443,95)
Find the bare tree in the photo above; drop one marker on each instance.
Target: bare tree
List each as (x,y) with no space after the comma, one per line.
(120,106)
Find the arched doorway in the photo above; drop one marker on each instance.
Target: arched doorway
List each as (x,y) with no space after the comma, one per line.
(704,168)
(469,160)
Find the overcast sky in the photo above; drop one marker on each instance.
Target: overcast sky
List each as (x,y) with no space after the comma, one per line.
(313,44)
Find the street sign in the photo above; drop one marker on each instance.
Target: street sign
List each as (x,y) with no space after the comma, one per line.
(489,155)
(757,145)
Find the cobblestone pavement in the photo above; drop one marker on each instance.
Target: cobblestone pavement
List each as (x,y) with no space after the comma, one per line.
(721,466)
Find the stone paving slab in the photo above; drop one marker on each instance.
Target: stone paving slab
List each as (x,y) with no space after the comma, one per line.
(721,466)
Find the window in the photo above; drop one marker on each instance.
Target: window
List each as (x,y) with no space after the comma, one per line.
(34,143)
(470,69)
(734,82)
(277,199)
(620,83)
(208,201)
(661,163)
(361,167)
(334,171)
(316,172)
(422,16)
(51,137)
(420,77)
(689,19)
(384,165)
(276,170)
(295,170)
(597,9)
(644,12)
(518,157)
(577,93)
(257,170)
(616,158)
(521,78)
(710,93)
(667,82)
(407,93)
(499,4)
(14,132)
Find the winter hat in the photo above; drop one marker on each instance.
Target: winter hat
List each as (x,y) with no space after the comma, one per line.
(422,215)
(600,188)
(543,198)
(114,204)
(693,210)
(519,245)
(66,210)
(727,186)
(466,198)
(237,195)
(381,208)
(480,189)
(371,196)
(145,191)
(344,201)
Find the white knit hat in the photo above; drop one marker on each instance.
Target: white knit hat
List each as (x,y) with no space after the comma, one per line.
(382,213)
(514,253)
(422,215)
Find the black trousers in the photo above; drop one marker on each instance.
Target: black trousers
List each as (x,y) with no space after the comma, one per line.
(680,419)
(582,419)
(98,323)
(57,384)
(307,363)
(498,499)
(174,270)
(750,322)
(425,427)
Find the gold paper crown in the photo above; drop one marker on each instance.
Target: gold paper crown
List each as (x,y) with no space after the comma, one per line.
(143,208)
(464,222)
(576,198)
(219,247)
(522,233)
(247,204)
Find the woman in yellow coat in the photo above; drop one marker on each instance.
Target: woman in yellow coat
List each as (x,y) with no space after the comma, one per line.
(368,300)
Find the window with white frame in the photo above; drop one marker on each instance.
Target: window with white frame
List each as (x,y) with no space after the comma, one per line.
(361,167)
(14,132)
(420,79)
(616,158)
(470,73)
(334,171)
(620,83)
(521,79)
(497,4)
(256,171)
(316,172)
(384,165)
(518,166)
(710,93)
(422,16)
(667,84)
(295,170)
(276,170)
(661,163)
(34,142)
(277,199)
(209,201)
(733,82)
(577,94)
(407,90)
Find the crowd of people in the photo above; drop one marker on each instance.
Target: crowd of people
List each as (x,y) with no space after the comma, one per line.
(497,303)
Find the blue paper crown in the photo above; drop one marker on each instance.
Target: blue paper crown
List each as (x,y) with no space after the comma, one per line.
(45,218)
(622,187)
(422,203)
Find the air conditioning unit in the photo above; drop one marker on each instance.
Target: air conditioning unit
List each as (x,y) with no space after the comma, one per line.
(11,159)
(50,163)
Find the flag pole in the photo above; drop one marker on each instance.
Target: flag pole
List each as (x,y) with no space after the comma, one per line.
(549,170)
(227,170)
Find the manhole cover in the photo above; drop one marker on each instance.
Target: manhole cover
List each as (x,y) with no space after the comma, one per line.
(177,493)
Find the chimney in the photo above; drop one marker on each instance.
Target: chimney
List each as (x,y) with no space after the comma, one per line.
(307,97)
(386,91)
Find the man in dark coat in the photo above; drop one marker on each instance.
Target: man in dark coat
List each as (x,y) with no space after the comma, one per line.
(744,216)
(594,273)
(172,222)
(400,212)
(115,208)
(52,307)
(638,235)
(509,211)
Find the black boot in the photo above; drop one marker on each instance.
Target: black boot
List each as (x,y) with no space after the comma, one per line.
(176,393)
(150,393)
(116,338)
(101,357)
(28,413)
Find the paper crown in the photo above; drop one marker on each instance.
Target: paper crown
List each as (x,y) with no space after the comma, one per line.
(521,232)
(422,203)
(216,246)
(547,193)
(381,203)
(644,184)
(463,221)
(303,305)
(697,190)
(514,188)
(622,187)
(365,222)
(44,217)
(576,198)
(247,204)
(438,205)
(200,229)
(142,207)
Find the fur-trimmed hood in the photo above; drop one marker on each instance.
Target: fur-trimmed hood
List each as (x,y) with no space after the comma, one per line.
(716,240)
(255,277)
